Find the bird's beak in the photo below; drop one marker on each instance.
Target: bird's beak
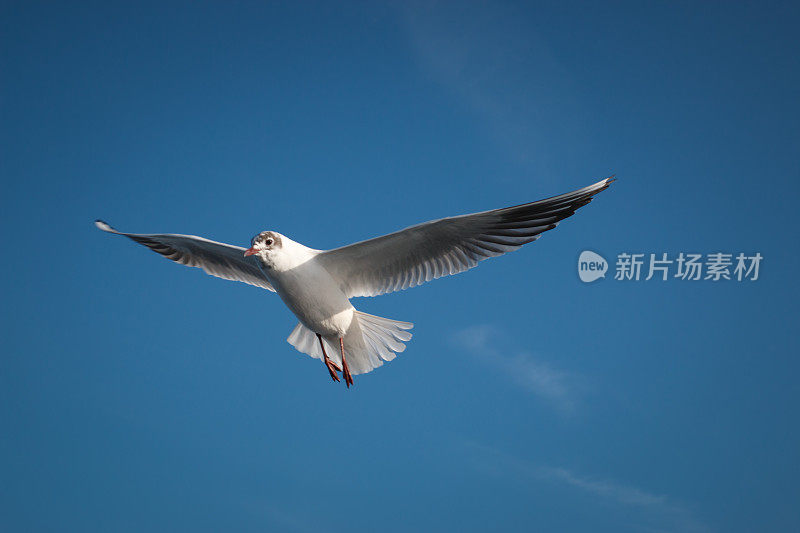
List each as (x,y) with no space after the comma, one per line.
(250,251)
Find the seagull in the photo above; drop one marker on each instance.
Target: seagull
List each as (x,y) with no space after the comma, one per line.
(317,285)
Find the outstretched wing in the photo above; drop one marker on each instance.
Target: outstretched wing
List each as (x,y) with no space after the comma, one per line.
(412,256)
(216,258)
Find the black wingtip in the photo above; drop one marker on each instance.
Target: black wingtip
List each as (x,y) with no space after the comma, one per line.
(102,225)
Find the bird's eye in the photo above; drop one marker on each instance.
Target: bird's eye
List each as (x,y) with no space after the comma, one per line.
(268,242)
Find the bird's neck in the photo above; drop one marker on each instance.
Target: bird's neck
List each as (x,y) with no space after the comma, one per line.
(290,256)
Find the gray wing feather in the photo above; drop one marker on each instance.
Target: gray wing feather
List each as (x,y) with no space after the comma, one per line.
(424,252)
(218,259)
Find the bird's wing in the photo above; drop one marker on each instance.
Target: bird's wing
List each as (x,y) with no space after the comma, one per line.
(412,256)
(216,258)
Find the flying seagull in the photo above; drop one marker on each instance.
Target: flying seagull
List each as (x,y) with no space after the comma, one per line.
(317,285)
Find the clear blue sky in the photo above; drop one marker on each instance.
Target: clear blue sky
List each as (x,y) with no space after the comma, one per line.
(139,395)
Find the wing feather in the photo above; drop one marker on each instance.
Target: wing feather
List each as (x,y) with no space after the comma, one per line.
(218,259)
(412,256)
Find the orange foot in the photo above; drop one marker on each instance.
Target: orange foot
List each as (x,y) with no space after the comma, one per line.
(333,368)
(348,377)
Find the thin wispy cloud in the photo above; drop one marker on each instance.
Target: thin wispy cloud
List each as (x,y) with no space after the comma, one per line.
(492,60)
(656,512)
(283,518)
(608,489)
(560,389)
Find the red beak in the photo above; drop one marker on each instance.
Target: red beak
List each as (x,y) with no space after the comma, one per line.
(250,251)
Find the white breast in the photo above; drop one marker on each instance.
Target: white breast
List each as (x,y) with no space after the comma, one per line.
(309,291)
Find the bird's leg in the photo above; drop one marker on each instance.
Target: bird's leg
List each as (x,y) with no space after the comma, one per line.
(332,367)
(348,378)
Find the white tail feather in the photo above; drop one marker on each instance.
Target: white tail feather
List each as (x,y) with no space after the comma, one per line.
(369,342)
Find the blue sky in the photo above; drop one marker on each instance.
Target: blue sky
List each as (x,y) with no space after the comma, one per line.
(136,394)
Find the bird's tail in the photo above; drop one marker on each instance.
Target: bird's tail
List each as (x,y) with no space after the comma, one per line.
(370,340)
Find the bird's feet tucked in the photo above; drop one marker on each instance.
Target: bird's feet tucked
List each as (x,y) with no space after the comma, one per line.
(333,368)
(348,377)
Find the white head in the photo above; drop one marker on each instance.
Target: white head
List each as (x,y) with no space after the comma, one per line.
(265,245)
(278,252)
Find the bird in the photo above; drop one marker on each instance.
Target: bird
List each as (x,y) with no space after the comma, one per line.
(318,285)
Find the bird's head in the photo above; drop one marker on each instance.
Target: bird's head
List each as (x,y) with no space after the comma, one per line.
(264,245)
